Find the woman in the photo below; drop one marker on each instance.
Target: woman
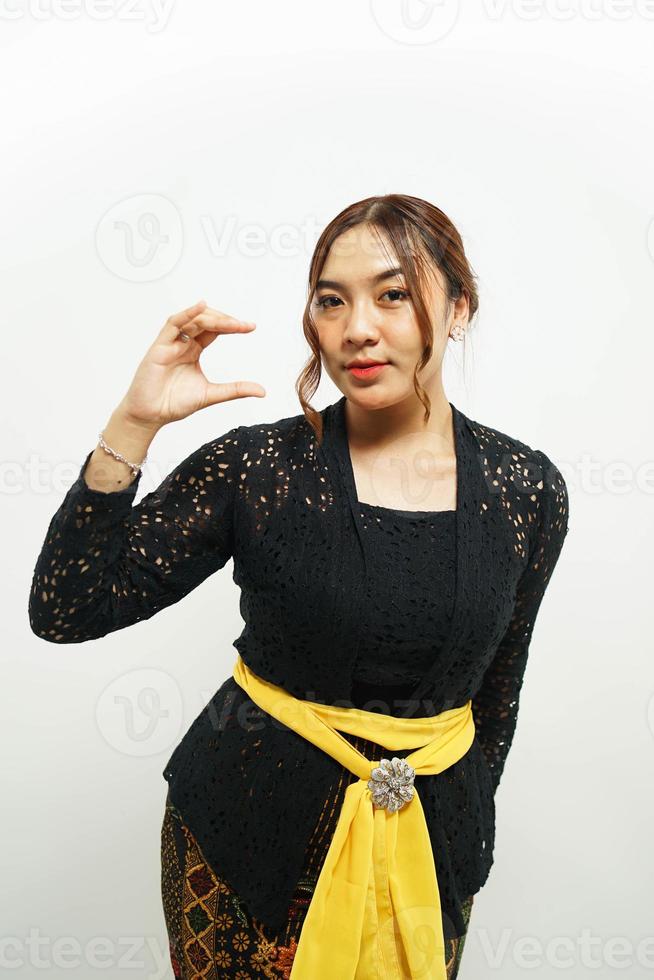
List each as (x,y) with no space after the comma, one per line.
(392,555)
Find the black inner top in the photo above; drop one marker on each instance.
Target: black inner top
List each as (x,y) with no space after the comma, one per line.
(408,605)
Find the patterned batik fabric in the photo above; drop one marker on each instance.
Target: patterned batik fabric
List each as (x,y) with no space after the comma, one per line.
(211,934)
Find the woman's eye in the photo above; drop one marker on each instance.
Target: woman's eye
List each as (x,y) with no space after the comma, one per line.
(324,299)
(403,292)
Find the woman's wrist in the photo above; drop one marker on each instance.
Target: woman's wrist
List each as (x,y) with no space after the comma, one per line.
(130,438)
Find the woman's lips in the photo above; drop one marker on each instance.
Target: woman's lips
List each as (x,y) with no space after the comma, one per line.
(367,372)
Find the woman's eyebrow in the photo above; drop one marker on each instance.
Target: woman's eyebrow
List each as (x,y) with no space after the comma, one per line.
(379,277)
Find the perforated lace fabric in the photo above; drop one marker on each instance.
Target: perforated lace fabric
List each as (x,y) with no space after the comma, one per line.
(405,615)
(284,507)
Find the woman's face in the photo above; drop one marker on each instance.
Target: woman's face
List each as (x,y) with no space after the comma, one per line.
(363,313)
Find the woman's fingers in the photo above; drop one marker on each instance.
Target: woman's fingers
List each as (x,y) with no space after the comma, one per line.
(202,332)
(206,319)
(178,321)
(218,322)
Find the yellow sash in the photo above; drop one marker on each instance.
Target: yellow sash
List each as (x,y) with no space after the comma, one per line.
(375,912)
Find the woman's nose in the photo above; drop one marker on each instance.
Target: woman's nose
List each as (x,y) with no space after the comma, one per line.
(361,324)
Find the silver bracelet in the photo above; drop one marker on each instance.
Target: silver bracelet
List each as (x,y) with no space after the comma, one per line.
(134,467)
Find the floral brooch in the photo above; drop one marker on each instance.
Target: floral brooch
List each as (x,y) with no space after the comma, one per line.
(391,784)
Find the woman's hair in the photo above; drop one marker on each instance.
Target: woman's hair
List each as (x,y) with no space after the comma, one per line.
(422,237)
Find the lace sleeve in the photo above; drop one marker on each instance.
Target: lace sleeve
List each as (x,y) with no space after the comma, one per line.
(106,564)
(495,706)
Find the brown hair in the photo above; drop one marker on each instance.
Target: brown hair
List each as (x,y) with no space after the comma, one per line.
(421,234)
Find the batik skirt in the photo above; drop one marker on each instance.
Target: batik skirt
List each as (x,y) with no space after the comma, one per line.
(211,933)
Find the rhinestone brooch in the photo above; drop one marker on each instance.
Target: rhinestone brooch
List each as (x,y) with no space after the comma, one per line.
(391,784)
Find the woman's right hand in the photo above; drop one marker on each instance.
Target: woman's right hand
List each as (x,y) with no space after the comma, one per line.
(169,383)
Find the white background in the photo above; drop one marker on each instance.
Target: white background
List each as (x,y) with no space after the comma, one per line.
(530,125)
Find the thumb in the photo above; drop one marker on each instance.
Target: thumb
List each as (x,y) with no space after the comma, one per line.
(218,392)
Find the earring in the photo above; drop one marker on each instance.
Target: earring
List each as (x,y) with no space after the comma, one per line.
(457,331)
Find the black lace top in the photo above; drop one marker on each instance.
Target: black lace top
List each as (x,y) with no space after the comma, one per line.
(406,614)
(282,503)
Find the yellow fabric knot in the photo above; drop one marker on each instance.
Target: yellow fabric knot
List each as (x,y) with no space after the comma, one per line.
(375,912)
